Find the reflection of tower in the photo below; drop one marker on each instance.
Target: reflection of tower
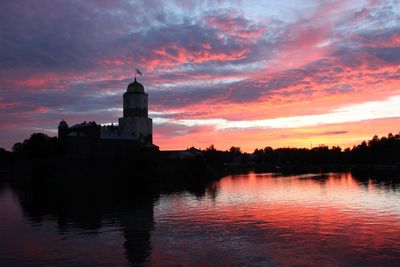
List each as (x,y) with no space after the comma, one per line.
(135,122)
(137,224)
(85,208)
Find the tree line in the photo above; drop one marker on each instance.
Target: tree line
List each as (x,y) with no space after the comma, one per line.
(378,150)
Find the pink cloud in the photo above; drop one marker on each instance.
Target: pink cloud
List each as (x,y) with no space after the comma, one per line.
(219,63)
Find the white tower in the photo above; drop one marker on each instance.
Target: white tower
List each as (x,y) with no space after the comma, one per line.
(135,123)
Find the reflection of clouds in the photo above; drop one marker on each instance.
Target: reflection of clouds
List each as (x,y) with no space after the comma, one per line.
(262,220)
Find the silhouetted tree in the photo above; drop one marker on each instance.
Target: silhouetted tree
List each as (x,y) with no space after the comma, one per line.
(17,147)
(383,150)
(235,150)
(211,148)
(37,146)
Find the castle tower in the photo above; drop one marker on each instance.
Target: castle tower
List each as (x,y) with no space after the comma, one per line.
(62,130)
(135,123)
(135,101)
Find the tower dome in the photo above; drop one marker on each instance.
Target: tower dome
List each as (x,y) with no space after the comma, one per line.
(63,124)
(135,87)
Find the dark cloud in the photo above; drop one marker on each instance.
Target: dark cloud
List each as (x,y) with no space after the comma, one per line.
(389,54)
(306,135)
(339,89)
(173,129)
(75,36)
(234,92)
(186,96)
(332,133)
(52,35)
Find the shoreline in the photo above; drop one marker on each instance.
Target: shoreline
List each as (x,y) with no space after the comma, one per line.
(159,173)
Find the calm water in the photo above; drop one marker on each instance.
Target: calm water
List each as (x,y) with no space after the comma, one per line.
(251,220)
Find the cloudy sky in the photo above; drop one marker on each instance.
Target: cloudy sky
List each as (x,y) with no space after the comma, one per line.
(249,73)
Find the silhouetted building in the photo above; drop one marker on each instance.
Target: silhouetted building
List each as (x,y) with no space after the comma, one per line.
(183,154)
(133,131)
(135,123)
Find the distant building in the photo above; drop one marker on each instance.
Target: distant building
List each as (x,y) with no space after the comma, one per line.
(133,131)
(183,154)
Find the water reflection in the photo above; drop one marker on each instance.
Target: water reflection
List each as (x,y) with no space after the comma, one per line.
(75,228)
(253,219)
(265,219)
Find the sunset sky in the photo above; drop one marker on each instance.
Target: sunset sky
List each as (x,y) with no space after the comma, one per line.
(249,73)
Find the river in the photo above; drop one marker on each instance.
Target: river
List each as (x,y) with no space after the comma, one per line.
(332,219)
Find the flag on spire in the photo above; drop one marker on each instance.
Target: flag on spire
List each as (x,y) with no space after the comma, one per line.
(139,72)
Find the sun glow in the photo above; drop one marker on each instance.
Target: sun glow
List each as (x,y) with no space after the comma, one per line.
(389,108)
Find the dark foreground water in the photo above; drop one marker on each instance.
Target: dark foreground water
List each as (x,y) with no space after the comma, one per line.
(245,220)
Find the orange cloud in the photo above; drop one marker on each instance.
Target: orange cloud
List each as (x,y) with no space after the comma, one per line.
(181,55)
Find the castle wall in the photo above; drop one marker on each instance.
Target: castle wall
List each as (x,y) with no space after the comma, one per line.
(135,127)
